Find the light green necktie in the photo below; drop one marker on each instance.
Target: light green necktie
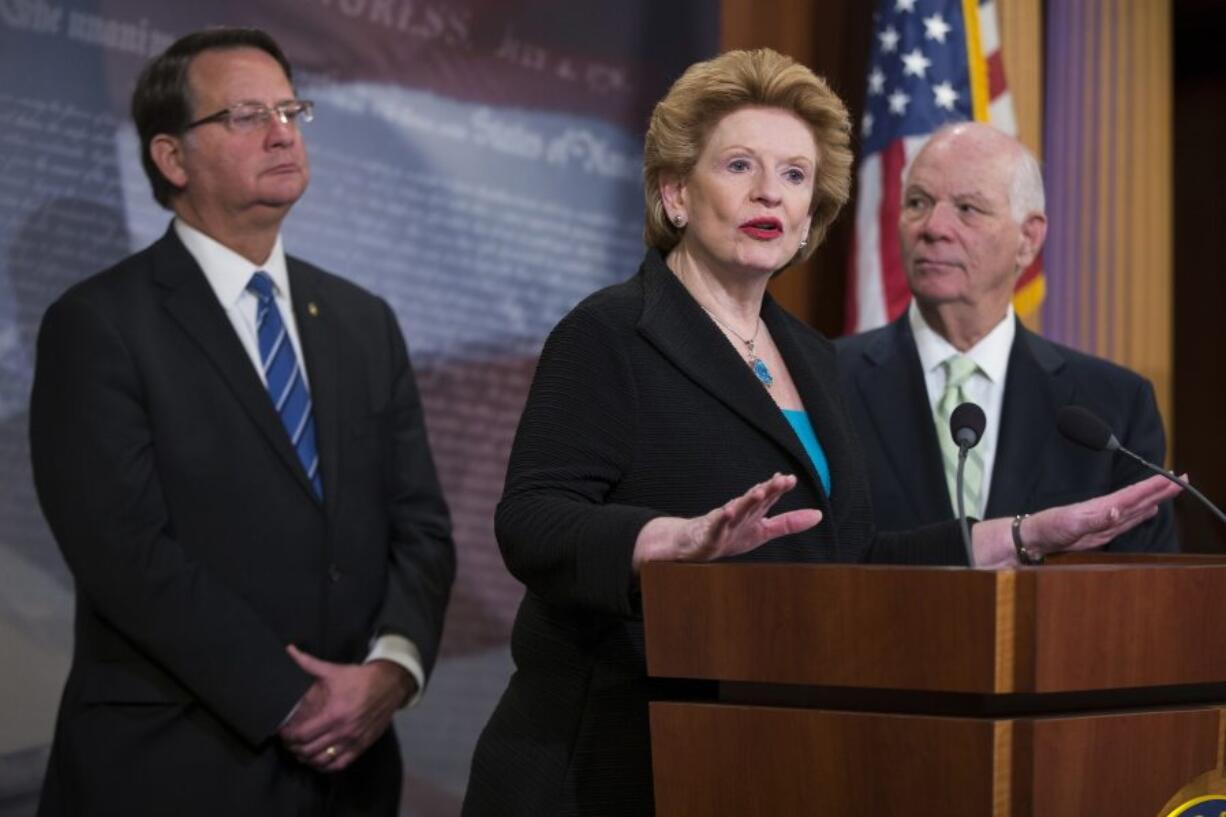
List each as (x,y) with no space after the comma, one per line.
(958,370)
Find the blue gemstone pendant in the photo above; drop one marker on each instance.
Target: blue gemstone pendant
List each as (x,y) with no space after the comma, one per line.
(759,368)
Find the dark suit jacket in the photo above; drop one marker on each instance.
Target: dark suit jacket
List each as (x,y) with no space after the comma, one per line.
(1035,466)
(641,408)
(199,550)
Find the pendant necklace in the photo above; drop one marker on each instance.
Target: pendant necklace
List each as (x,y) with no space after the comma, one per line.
(757,364)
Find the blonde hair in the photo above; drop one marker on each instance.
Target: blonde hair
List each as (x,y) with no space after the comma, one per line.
(709,91)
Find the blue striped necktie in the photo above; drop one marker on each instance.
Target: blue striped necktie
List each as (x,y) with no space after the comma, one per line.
(283,377)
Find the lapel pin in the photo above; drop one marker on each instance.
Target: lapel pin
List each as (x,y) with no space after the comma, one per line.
(312,309)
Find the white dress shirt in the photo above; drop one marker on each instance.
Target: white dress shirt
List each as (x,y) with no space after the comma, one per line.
(985,387)
(228,273)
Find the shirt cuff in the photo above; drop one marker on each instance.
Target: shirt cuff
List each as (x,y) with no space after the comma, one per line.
(404,653)
(290,716)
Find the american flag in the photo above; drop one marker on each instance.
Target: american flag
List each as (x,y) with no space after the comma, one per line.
(932,62)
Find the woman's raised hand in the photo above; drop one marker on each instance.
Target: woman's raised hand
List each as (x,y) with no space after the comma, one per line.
(738,526)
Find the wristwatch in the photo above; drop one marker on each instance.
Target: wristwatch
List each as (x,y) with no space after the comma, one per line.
(1026,555)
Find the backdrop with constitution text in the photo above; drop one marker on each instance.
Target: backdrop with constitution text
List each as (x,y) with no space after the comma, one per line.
(476,163)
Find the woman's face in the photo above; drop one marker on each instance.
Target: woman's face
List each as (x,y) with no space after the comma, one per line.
(746,202)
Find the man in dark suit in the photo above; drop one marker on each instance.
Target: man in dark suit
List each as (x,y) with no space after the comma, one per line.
(229,446)
(972,220)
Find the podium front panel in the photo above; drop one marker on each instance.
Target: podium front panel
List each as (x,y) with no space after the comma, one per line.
(714,760)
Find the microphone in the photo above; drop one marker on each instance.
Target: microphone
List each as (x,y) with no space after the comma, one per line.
(966,426)
(1085,428)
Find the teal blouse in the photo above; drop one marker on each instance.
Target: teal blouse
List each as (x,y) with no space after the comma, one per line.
(808,438)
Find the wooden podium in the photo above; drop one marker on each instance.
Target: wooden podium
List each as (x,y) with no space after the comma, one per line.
(1094,685)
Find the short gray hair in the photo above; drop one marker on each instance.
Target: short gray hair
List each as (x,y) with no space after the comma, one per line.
(1026,190)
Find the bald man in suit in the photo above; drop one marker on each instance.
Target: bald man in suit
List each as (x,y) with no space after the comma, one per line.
(972,220)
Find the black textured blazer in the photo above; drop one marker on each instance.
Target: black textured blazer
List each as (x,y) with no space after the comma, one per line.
(640,408)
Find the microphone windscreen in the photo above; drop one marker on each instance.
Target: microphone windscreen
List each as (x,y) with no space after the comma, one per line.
(1083,427)
(966,424)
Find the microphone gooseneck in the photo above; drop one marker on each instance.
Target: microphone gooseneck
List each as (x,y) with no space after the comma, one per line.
(1083,427)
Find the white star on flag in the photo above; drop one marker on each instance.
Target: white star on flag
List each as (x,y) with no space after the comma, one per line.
(876,82)
(935,28)
(915,63)
(945,95)
(905,5)
(866,126)
(898,102)
(889,39)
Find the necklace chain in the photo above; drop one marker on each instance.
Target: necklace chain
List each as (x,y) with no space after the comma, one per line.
(747,341)
(757,364)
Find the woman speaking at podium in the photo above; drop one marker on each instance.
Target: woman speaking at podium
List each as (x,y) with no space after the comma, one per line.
(683,415)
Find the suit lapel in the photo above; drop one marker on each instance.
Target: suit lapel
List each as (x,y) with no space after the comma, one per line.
(191,302)
(896,399)
(1034,387)
(674,323)
(320,348)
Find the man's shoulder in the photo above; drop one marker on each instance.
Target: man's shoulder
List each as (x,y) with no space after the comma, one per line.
(1053,356)
(119,284)
(865,349)
(849,345)
(330,284)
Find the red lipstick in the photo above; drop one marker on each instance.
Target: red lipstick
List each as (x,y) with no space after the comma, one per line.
(764,228)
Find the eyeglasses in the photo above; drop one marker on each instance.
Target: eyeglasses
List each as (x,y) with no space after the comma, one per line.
(248,117)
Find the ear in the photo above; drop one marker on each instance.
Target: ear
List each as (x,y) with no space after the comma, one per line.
(672,191)
(1034,232)
(167,153)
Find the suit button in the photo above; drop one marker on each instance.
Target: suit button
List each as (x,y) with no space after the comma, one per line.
(334,572)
